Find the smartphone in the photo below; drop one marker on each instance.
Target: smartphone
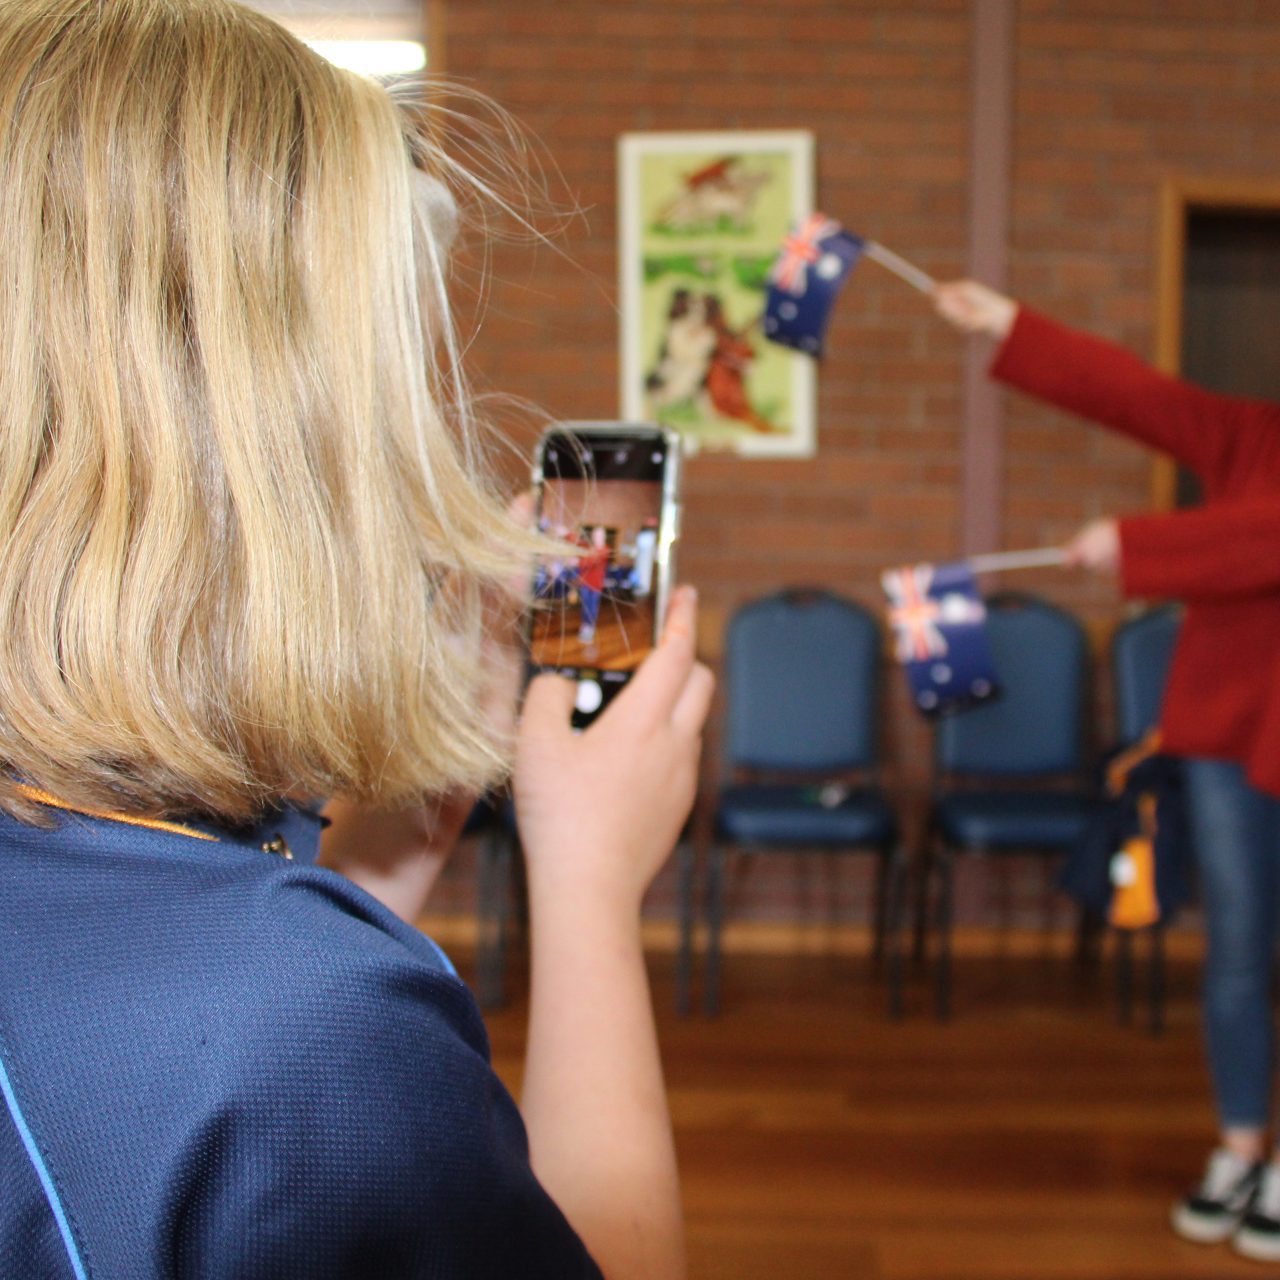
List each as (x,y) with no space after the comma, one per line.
(611,490)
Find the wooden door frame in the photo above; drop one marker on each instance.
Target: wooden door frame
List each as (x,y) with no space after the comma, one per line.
(1179,197)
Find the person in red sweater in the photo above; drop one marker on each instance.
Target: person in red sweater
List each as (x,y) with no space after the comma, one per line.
(1221,710)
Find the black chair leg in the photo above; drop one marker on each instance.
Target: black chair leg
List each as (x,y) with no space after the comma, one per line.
(715,916)
(893,868)
(882,893)
(1157,979)
(946,889)
(1090,929)
(494,912)
(924,879)
(685,855)
(1124,975)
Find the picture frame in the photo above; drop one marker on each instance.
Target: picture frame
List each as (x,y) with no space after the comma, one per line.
(702,216)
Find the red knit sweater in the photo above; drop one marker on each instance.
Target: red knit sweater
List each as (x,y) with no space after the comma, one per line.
(1222,559)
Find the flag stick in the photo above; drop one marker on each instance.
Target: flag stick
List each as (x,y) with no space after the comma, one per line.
(900,267)
(1001,561)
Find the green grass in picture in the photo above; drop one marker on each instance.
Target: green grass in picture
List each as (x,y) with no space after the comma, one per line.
(753,272)
(701,266)
(721,226)
(687,413)
(683,412)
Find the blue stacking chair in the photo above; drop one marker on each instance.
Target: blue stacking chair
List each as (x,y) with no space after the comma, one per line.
(1141,651)
(801,682)
(1011,775)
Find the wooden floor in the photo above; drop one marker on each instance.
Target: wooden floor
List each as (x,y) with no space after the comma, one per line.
(623,635)
(1032,1138)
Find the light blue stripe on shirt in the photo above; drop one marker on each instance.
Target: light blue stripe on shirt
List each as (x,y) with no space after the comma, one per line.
(42,1172)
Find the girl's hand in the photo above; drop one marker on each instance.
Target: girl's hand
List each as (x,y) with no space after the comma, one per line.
(600,811)
(1096,547)
(974,308)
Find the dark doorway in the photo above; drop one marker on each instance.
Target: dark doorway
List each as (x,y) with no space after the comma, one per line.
(1231,307)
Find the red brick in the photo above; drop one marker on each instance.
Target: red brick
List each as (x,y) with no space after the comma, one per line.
(683,60)
(1072,104)
(748,23)
(926,31)
(837,29)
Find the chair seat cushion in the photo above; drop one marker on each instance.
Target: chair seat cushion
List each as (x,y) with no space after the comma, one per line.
(1013,819)
(777,814)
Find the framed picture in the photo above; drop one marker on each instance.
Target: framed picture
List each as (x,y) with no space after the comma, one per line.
(702,216)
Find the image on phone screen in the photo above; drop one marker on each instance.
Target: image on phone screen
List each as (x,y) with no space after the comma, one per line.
(598,607)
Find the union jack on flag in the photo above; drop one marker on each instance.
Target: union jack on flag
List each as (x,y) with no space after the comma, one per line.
(913,614)
(800,250)
(810,270)
(939,625)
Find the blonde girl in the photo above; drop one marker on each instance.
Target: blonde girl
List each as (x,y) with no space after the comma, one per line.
(248,540)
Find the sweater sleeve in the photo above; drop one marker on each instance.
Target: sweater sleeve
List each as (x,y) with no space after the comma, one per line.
(1214,552)
(1110,386)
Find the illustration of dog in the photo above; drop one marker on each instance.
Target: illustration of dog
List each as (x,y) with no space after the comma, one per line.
(683,359)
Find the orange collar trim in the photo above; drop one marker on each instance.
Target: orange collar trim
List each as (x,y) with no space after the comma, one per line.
(152,824)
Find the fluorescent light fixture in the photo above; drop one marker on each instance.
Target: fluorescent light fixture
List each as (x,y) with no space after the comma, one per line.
(374,57)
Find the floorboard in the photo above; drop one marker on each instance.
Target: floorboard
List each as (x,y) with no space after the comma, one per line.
(1031,1138)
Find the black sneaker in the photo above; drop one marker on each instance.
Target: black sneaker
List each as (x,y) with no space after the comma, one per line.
(1219,1204)
(1258,1235)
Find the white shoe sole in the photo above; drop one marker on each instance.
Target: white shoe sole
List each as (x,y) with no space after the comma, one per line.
(1260,1248)
(1194,1228)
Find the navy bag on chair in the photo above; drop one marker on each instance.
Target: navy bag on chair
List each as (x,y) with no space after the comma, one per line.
(801,685)
(1142,817)
(1132,867)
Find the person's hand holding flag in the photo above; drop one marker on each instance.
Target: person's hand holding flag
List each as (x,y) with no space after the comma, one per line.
(1096,547)
(974,308)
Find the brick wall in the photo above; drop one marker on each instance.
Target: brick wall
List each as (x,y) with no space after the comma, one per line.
(1111,95)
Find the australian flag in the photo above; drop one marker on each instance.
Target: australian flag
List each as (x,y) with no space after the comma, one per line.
(815,261)
(939,626)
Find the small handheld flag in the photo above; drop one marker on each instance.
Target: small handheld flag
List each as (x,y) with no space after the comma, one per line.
(815,261)
(807,276)
(939,624)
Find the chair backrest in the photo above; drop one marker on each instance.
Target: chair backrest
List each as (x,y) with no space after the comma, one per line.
(1140,654)
(801,683)
(1036,725)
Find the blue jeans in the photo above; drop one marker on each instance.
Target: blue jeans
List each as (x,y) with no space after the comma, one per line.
(1236,831)
(589,599)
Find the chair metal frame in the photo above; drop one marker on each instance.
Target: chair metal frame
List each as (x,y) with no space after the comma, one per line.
(938,854)
(892,864)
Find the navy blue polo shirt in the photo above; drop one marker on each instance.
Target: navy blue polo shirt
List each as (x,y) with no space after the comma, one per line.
(216,1061)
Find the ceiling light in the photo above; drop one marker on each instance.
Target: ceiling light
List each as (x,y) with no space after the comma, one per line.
(374,57)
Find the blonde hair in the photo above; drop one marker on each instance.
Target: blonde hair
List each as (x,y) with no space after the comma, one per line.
(243,514)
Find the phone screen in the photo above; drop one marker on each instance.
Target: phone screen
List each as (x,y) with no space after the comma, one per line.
(597,608)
